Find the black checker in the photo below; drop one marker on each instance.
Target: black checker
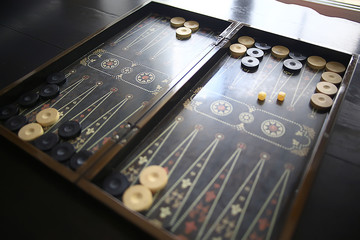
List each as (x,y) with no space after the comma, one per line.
(79,158)
(250,64)
(8,111)
(56,78)
(116,184)
(297,56)
(28,99)
(49,91)
(46,142)
(292,65)
(16,122)
(69,129)
(62,152)
(263,46)
(255,52)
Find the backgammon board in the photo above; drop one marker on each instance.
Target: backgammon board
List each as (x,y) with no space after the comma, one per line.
(236,164)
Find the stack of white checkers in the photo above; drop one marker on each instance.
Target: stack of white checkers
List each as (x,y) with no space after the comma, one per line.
(184,28)
(140,197)
(327,88)
(45,118)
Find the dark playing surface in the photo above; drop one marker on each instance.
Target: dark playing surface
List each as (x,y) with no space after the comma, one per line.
(233,162)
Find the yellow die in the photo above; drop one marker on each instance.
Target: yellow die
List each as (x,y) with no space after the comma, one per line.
(262,96)
(281,96)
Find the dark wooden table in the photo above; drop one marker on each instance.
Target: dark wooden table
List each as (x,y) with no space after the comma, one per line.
(39,204)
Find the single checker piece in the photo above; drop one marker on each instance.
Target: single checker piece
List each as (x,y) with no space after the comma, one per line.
(30,132)
(47,117)
(177,22)
(237,50)
(321,101)
(154,177)
(183,33)
(16,122)
(138,198)
(246,41)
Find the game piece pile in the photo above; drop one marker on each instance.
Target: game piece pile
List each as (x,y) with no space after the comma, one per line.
(252,52)
(137,197)
(184,28)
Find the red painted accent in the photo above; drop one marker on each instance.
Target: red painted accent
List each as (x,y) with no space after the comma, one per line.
(263,224)
(210,196)
(221,107)
(273,128)
(45,106)
(190,227)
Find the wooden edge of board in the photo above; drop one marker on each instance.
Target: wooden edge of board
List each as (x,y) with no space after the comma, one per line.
(119,208)
(44,158)
(297,206)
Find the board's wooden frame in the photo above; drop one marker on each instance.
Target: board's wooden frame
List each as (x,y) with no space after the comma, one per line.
(84,176)
(299,196)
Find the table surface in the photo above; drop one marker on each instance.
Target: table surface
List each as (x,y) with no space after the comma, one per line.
(39,204)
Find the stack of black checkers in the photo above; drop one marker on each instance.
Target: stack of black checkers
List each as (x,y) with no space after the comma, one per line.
(63,151)
(251,52)
(12,121)
(52,89)
(53,143)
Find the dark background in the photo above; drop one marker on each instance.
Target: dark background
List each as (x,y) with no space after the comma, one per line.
(36,203)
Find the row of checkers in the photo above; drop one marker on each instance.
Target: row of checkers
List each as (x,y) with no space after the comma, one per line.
(53,143)
(252,52)
(137,197)
(48,91)
(184,28)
